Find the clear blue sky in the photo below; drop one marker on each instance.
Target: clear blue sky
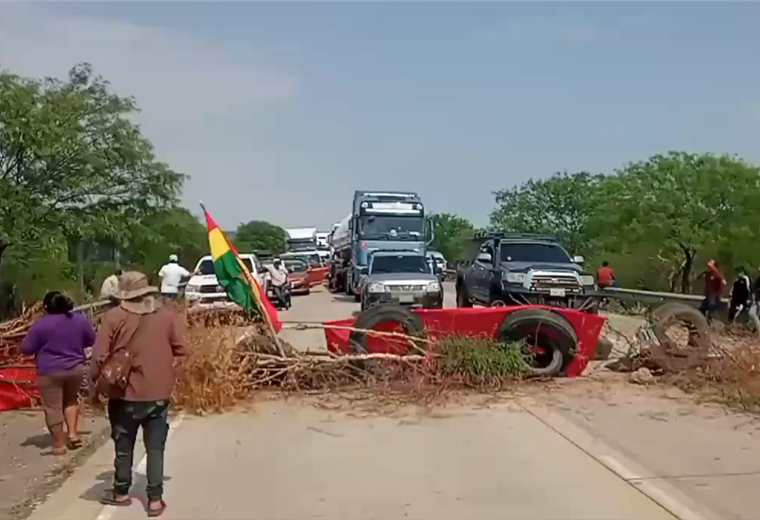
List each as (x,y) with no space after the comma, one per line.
(296,105)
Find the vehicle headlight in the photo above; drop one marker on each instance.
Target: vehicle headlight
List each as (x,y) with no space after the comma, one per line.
(587,279)
(376,287)
(434,287)
(515,277)
(193,288)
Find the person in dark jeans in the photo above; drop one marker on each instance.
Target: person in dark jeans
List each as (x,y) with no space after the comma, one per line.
(153,333)
(740,295)
(714,282)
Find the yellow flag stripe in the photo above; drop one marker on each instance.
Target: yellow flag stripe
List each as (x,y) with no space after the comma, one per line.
(217,243)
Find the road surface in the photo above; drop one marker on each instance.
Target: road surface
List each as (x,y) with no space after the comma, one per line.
(517,458)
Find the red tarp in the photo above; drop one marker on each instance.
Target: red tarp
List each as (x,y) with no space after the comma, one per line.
(18,387)
(482,322)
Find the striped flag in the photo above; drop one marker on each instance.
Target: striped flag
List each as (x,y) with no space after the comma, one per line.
(232,274)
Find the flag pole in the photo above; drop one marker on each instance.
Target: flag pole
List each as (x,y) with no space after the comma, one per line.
(256,293)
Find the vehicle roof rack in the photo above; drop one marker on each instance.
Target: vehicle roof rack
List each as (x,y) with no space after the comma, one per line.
(501,235)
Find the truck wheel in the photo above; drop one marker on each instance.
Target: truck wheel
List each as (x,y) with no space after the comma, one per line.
(698,344)
(368,319)
(463,300)
(544,329)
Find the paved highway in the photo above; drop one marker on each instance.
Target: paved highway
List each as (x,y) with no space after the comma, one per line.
(294,460)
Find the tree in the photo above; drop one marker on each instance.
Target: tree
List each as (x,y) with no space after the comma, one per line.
(73,163)
(559,206)
(258,235)
(73,166)
(685,203)
(451,232)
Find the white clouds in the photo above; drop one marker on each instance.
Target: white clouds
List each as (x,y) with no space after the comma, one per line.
(195,95)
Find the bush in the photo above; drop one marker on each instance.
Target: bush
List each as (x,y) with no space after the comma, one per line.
(479,362)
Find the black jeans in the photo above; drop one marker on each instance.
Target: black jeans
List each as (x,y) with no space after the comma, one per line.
(126,417)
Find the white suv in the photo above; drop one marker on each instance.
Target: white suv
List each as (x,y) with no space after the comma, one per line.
(204,289)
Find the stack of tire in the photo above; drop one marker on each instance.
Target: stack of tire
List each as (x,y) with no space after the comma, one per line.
(543,328)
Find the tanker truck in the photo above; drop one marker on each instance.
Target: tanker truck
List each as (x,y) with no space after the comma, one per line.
(378,220)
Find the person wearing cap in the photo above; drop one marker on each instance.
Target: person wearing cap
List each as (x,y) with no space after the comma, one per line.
(171,276)
(154,335)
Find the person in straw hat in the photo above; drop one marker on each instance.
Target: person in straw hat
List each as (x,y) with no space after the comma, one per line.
(153,335)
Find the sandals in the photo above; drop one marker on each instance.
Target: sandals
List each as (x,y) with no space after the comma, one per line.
(109,499)
(153,513)
(75,444)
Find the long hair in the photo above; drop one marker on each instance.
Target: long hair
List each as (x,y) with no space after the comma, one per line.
(55,302)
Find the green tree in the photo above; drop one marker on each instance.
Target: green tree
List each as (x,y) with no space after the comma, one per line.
(686,204)
(560,206)
(73,166)
(259,235)
(451,233)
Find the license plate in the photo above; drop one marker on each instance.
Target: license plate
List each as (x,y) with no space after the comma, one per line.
(405,298)
(557,292)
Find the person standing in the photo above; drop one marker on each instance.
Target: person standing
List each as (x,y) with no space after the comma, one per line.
(153,334)
(605,277)
(171,276)
(110,285)
(278,274)
(714,282)
(58,341)
(740,295)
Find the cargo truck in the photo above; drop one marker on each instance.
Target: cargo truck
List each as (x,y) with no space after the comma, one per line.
(378,220)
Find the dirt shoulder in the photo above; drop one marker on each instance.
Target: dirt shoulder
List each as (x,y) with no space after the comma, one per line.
(27,473)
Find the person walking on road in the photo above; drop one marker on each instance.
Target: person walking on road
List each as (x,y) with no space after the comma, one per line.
(740,295)
(605,277)
(714,282)
(139,339)
(58,341)
(171,276)
(110,285)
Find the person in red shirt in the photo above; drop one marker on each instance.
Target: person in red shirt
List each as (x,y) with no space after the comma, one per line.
(604,275)
(714,282)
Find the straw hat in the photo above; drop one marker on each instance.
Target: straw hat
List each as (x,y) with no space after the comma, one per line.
(133,287)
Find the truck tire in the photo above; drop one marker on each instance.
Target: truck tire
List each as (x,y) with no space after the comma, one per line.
(696,323)
(463,299)
(367,320)
(544,328)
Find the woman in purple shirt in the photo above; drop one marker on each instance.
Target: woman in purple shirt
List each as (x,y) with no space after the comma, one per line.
(58,341)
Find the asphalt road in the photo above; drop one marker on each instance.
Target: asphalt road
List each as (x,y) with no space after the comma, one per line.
(329,459)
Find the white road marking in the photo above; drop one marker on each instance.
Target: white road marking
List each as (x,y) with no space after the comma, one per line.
(108,511)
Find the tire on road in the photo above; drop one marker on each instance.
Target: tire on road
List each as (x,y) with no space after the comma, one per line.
(545,329)
(698,345)
(368,319)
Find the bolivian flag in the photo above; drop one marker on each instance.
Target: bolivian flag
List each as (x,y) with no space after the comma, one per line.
(232,274)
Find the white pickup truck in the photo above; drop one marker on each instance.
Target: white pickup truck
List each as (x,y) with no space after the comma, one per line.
(204,289)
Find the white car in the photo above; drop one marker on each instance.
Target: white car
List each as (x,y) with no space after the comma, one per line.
(204,289)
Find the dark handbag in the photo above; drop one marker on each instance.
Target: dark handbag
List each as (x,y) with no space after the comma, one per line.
(114,374)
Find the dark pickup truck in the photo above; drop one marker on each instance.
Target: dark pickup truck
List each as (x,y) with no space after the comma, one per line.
(500,269)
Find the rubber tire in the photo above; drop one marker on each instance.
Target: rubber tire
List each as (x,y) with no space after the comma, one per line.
(463,301)
(700,332)
(367,320)
(564,347)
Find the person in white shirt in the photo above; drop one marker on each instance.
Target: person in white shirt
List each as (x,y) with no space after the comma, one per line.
(110,285)
(278,278)
(171,276)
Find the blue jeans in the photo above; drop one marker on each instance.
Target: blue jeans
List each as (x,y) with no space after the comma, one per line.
(126,417)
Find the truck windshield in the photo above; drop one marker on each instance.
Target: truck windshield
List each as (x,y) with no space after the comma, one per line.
(534,253)
(302,244)
(386,226)
(207,267)
(399,264)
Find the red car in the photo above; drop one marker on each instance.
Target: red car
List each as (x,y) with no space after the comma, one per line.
(298,276)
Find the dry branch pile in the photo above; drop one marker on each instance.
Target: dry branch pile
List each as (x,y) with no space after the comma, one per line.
(12,332)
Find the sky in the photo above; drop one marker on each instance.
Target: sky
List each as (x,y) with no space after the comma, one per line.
(279,111)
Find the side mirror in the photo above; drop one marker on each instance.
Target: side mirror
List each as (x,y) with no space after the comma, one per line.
(578,259)
(485,258)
